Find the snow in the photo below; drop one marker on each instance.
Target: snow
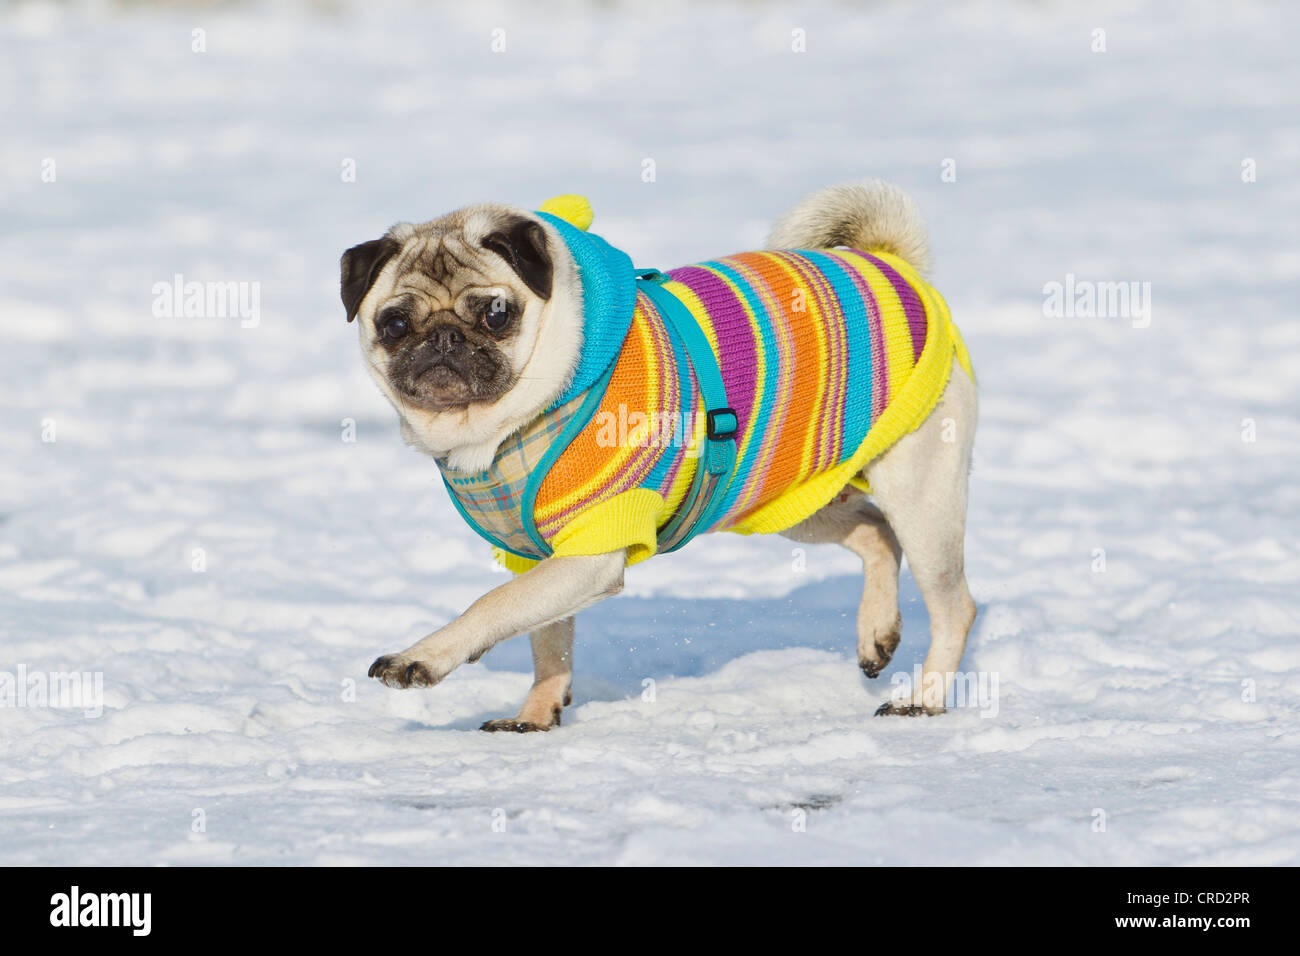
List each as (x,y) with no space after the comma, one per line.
(237,725)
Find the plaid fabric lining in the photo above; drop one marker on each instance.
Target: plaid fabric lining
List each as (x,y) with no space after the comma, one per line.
(494,498)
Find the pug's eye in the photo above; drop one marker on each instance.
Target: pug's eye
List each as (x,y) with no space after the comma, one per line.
(392,327)
(496,316)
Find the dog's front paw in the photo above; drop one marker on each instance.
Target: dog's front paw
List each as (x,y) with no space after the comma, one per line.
(900,708)
(395,670)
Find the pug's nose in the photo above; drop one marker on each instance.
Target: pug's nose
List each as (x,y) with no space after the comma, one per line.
(444,338)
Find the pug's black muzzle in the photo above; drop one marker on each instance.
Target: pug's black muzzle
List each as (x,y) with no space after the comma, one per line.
(447,368)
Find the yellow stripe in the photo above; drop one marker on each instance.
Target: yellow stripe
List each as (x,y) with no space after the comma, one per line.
(893,321)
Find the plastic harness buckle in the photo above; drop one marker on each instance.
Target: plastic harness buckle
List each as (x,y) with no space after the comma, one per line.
(722,423)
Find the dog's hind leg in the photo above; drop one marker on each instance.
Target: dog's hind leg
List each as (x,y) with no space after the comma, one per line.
(920,485)
(853,521)
(552,678)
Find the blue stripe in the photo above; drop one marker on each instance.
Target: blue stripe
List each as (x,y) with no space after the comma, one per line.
(857,328)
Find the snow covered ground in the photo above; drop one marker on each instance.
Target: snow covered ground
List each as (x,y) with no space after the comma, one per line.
(1160,695)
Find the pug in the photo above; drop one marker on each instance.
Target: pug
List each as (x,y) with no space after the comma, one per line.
(484,329)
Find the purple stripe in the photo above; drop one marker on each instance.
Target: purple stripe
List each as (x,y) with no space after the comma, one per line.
(912,306)
(733,333)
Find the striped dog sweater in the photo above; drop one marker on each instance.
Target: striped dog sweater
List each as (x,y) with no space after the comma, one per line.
(827,358)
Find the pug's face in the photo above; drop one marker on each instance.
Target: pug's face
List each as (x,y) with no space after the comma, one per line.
(468,323)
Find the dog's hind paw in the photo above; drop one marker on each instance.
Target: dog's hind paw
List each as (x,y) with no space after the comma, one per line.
(875,656)
(898,708)
(872,667)
(542,718)
(514,726)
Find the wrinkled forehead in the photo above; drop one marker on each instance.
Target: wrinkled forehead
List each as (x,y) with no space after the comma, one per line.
(443,257)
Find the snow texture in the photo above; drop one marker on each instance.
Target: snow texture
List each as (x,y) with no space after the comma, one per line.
(238,725)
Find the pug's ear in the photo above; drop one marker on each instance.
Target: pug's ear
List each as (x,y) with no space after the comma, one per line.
(360,266)
(522,243)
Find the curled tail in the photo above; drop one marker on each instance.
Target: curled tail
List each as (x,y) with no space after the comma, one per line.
(868,215)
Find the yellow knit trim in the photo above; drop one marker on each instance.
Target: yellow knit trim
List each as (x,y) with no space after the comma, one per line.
(628,520)
(513,562)
(963,357)
(860,483)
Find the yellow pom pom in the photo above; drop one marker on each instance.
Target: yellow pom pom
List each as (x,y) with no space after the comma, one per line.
(570,207)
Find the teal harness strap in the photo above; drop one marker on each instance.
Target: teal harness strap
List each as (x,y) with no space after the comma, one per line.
(553,451)
(713,473)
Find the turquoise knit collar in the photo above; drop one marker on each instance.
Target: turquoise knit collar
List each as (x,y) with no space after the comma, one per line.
(608,301)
